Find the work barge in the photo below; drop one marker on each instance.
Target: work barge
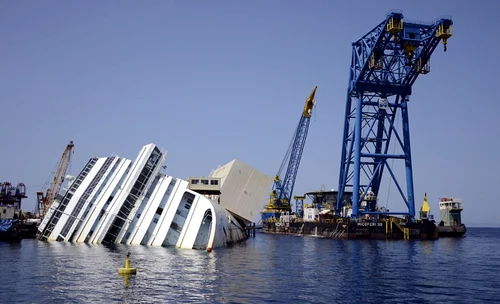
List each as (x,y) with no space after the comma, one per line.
(390,228)
(376,149)
(319,221)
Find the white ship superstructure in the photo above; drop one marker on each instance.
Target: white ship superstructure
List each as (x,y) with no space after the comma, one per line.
(115,200)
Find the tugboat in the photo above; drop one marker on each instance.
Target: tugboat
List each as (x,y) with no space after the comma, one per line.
(10,211)
(450,225)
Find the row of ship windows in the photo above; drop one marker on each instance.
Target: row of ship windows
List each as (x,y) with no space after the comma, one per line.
(68,196)
(213,182)
(86,195)
(136,191)
(159,211)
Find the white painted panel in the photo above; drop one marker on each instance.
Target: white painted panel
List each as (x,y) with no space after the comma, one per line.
(140,199)
(168,214)
(193,222)
(95,220)
(125,189)
(112,183)
(74,199)
(149,212)
(187,221)
(244,190)
(91,198)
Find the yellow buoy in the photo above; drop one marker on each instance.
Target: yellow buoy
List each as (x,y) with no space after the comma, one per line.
(127,269)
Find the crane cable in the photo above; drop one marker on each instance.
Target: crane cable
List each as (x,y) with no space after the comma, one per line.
(289,150)
(48,181)
(51,176)
(392,163)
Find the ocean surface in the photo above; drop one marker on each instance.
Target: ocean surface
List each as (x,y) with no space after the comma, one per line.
(264,269)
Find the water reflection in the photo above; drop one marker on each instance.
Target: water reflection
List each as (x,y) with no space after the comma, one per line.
(427,247)
(268,268)
(126,279)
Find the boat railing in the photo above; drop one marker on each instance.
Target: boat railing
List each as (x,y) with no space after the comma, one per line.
(451,205)
(450,200)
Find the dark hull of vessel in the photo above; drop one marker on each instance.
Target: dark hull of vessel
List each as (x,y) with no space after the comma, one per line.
(340,228)
(452,231)
(8,237)
(9,230)
(28,230)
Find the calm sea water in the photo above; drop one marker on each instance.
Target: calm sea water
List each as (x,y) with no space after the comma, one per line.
(265,269)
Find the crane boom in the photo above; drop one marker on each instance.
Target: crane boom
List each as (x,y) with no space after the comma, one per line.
(57,181)
(281,194)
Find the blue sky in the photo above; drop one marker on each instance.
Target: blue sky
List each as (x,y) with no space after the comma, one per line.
(211,81)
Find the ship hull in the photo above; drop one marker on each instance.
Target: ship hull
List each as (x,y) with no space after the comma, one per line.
(9,230)
(452,231)
(341,228)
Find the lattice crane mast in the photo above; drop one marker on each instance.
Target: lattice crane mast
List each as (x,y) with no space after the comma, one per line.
(44,201)
(281,193)
(385,64)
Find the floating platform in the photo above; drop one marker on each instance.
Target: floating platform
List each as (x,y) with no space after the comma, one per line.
(343,228)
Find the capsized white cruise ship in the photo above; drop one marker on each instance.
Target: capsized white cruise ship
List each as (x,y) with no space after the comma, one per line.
(115,200)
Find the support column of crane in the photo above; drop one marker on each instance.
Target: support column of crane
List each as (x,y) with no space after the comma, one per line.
(281,194)
(44,201)
(385,64)
(299,205)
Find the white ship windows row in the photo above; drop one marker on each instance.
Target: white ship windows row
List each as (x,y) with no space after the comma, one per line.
(213,182)
(57,208)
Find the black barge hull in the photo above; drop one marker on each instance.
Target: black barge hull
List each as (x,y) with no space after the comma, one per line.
(19,231)
(344,229)
(10,232)
(452,231)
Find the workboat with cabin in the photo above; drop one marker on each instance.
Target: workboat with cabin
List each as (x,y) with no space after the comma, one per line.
(450,222)
(450,218)
(116,200)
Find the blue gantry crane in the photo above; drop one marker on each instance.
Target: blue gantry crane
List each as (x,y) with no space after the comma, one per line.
(279,199)
(385,64)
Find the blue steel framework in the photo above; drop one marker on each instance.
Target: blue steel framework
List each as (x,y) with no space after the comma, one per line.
(281,193)
(385,64)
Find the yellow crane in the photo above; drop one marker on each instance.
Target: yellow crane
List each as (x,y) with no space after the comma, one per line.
(45,200)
